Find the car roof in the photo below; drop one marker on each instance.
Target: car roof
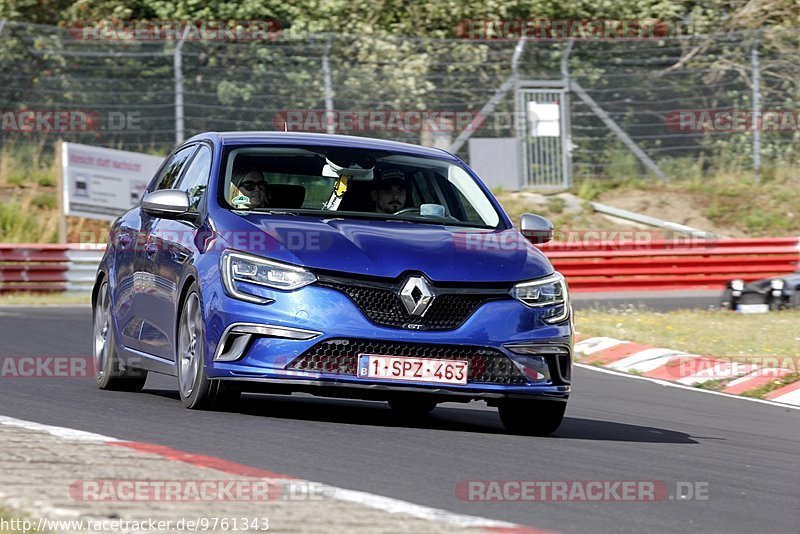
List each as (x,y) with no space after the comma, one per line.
(245,138)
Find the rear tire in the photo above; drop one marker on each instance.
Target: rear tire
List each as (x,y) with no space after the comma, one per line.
(109,372)
(196,390)
(412,407)
(532,417)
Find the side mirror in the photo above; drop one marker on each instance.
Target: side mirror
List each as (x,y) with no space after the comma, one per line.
(536,228)
(167,204)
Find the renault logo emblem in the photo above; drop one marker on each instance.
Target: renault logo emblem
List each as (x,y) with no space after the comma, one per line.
(416,296)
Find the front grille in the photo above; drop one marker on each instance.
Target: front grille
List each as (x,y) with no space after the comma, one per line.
(382,305)
(339,356)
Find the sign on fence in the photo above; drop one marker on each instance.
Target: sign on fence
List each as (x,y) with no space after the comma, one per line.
(103,183)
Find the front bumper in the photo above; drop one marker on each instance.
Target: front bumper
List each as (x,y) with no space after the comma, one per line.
(322,314)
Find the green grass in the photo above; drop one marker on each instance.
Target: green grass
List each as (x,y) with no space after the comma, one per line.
(29,210)
(22,221)
(706,332)
(8,516)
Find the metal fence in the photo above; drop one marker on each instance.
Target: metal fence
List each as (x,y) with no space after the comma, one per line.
(632,108)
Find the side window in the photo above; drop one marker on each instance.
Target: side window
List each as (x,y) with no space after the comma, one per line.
(172,170)
(195,181)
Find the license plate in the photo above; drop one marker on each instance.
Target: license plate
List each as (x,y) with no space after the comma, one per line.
(752,308)
(412,369)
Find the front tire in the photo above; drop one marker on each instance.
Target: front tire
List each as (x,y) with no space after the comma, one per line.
(196,390)
(109,372)
(532,417)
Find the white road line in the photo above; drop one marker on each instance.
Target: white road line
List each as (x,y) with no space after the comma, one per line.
(58,431)
(596,344)
(377,502)
(793,397)
(681,386)
(395,506)
(647,359)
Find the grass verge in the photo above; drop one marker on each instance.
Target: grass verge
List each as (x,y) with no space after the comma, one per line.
(778,383)
(706,332)
(13,521)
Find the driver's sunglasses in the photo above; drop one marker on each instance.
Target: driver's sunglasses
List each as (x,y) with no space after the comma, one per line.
(251,186)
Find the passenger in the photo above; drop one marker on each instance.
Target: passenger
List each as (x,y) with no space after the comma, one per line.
(251,184)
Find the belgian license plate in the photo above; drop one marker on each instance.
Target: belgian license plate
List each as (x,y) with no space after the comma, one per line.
(752,308)
(412,369)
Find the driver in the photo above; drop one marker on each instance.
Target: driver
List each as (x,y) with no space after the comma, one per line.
(389,194)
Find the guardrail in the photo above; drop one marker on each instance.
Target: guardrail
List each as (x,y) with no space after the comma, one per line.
(37,267)
(597,266)
(664,265)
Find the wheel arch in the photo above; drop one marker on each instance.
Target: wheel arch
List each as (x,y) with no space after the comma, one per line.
(98,281)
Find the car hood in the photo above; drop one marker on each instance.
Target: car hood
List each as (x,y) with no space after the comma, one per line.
(386,248)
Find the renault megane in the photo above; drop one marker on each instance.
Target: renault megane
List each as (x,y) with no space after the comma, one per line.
(334,265)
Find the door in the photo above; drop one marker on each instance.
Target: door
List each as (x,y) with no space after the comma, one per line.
(126,242)
(152,338)
(169,251)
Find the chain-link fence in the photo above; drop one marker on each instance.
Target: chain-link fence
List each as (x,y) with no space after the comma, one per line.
(659,108)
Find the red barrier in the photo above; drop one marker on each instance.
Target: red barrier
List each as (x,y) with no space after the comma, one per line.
(665,264)
(33,267)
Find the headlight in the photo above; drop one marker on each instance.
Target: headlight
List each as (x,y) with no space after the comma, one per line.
(239,267)
(550,292)
(777,284)
(737,285)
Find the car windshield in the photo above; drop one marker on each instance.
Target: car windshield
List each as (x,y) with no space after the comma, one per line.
(347,182)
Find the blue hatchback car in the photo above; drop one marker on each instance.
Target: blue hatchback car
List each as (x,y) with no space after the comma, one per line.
(339,266)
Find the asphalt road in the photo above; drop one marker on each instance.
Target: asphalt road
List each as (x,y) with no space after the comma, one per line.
(616,429)
(653,300)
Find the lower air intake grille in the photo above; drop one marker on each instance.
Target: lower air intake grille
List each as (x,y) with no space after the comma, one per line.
(338,356)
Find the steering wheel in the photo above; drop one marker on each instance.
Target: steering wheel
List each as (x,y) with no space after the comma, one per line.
(406,210)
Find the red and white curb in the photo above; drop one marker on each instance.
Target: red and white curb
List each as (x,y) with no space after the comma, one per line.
(377,502)
(683,368)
